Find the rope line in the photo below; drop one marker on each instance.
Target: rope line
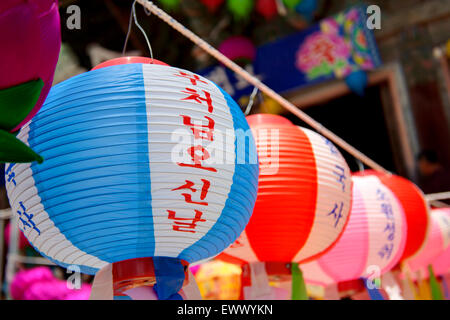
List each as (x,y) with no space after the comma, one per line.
(438,196)
(261,86)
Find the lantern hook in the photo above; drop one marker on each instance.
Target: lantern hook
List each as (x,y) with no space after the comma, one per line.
(251,101)
(134,17)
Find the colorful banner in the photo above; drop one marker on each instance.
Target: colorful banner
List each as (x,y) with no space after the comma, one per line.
(331,49)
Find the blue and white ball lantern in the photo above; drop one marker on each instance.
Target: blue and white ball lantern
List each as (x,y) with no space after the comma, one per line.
(140,161)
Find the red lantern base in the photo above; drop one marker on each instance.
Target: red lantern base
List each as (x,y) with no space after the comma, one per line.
(128,60)
(350,288)
(133,273)
(279,269)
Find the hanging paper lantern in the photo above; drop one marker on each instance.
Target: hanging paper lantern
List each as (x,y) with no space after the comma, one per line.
(267,8)
(240,9)
(128,60)
(357,81)
(238,48)
(219,280)
(269,105)
(441,264)
(437,242)
(31,40)
(170,4)
(447,48)
(212,5)
(307,8)
(304,195)
(291,4)
(372,242)
(142,165)
(414,205)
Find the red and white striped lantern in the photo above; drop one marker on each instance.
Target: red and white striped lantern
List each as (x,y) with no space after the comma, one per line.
(304,195)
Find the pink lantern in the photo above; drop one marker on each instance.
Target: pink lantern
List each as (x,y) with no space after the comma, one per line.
(238,48)
(267,8)
(212,5)
(441,264)
(437,242)
(23,241)
(31,40)
(373,241)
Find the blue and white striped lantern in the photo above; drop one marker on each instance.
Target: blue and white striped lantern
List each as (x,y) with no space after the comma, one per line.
(141,160)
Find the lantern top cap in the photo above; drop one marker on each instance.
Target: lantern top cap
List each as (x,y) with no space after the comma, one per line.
(128,60)
(267,119)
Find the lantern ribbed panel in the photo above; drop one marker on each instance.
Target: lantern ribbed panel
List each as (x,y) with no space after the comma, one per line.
(363,242)
(298,191)
(441,263)
(314,274)
(436,243)
(109,178)
(334,191)
(278,231)
(415,206)
(416,211)
(348,258)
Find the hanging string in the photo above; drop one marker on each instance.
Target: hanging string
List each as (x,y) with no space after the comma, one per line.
(282,11)
(147,12)
(360,165)
(261,86)
(438,196)
(133,15)
(251,102)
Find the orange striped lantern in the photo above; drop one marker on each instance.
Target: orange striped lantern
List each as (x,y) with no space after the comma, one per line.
(304,196)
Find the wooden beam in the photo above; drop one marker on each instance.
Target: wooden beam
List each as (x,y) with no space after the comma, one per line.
(405,134)
(429,11)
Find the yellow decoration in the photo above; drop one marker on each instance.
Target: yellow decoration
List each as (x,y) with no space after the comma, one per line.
(447,48)
(316,292)
(358,59)
(218,280)
(424,288)
(268,105)
(407,281)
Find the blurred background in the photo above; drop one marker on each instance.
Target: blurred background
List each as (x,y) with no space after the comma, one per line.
(400,117)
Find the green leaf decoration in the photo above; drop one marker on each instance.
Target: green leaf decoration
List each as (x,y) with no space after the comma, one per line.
(241,9)
(291,4)
(15,151)
(170,4)
(436,291)
(298,283)
(17,102)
